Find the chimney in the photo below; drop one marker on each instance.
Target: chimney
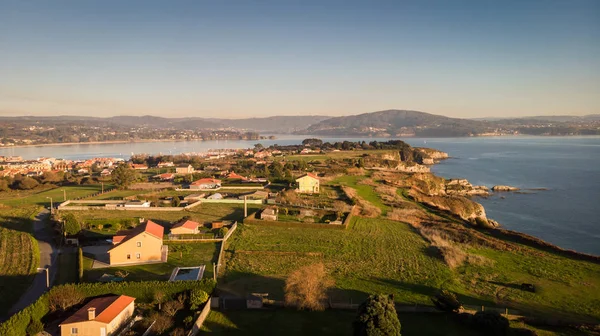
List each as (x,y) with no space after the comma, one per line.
(91,313)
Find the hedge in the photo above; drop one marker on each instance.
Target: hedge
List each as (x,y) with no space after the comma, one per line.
(17,324)
(80,264)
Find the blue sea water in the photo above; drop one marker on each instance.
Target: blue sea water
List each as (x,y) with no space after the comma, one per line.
(566,214)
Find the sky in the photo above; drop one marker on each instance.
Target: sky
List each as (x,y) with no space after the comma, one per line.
(236,59)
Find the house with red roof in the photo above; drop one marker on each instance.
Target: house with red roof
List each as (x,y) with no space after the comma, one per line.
(206,183)
(165,177)
(101,316)
(308,183)
(143,243)
(234,176)
(185,226)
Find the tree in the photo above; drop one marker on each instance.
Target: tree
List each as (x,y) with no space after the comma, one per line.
(72,226)
(80,264)
(223,231)
(3,185)
(312,142)
(64,297)
(159,297)
(175,202)
(35,327)
(491,323)
(26,183)
(123,176)
(197,298)
(377,316)
(306,287)
(446,301)
(172,307)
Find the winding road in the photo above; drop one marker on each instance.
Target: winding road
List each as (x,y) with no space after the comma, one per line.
(44,235)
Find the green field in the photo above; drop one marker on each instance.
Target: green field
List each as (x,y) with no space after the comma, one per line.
(19,254)
(366,192)
(57,194)
(383,256)
(199,254)
(334,322)
(203,213)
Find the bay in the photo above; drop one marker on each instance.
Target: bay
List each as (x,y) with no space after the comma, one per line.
(568,167)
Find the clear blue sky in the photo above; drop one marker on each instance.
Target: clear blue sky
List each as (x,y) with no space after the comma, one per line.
(259,58)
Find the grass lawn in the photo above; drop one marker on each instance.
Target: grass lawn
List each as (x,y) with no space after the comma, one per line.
(330,322)
(57,195)
(367,192)
(383,256)
(19,254)
(199,254)
(67,268)
(203,213)
(117,194)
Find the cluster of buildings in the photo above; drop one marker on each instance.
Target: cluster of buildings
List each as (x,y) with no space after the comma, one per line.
(16,165)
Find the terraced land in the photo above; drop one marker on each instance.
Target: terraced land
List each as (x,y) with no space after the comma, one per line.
(19,254)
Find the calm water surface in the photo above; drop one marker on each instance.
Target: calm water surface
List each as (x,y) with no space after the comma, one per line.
(569,167)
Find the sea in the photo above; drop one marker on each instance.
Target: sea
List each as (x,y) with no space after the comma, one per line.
(559,177)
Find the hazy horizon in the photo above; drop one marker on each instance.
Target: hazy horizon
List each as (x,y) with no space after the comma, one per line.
(464,59)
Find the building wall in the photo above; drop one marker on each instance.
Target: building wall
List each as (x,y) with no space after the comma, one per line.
(149,251)
(182,230)
(92,328)
(308,185)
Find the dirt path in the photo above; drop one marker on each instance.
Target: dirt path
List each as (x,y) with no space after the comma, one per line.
(44,235)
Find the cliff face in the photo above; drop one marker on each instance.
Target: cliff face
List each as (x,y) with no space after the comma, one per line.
(432,191)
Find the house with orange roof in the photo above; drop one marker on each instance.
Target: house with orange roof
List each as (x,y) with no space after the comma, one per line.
(141,244)
(234,176)
(308,183)
(185,226)
(206,183)
(140,166)
(102,316)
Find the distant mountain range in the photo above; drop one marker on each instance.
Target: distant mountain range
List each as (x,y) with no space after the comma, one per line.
(389,123)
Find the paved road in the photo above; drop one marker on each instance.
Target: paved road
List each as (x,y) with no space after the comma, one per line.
(48,258)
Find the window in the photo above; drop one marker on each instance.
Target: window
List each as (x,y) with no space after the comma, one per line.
(139,244)
(138,256)
(128,256)
(74,330)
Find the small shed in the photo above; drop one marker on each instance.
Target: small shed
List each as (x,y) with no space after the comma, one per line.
(217,225)
(269,213)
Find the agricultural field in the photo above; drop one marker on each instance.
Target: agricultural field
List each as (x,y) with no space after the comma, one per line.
(192,254)
(57,194)
(333,322)
(203,213)
(384,256)
(19,253)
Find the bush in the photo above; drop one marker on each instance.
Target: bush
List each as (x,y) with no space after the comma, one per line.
(223,231)
(188,320)
(306,287)
(172,307)
(162,323)
(35,327)
(446,301)
(64,297)
(491,323)
(377,316)
(197,298)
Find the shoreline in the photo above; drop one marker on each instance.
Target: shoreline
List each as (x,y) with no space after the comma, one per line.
(112,142)
(282,136)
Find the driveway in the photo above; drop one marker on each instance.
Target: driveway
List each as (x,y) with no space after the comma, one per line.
(44,235)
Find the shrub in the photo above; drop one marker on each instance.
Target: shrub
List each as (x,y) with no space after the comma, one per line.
(491,323)
(35,327)
(306,288)
(162,323)
(64,297)
(188,320)
(223,231)
(172,307)
(377,316)
(446,301)
(178,332)
(197,298)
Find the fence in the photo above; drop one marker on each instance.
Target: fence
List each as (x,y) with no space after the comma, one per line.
(251,219)
(203,315)
(220,264)
(114,206)
(231,201)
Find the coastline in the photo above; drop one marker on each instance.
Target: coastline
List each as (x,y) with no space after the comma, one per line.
(110,142)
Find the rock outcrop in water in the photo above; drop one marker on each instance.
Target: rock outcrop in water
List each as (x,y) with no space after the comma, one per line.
(504,188)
